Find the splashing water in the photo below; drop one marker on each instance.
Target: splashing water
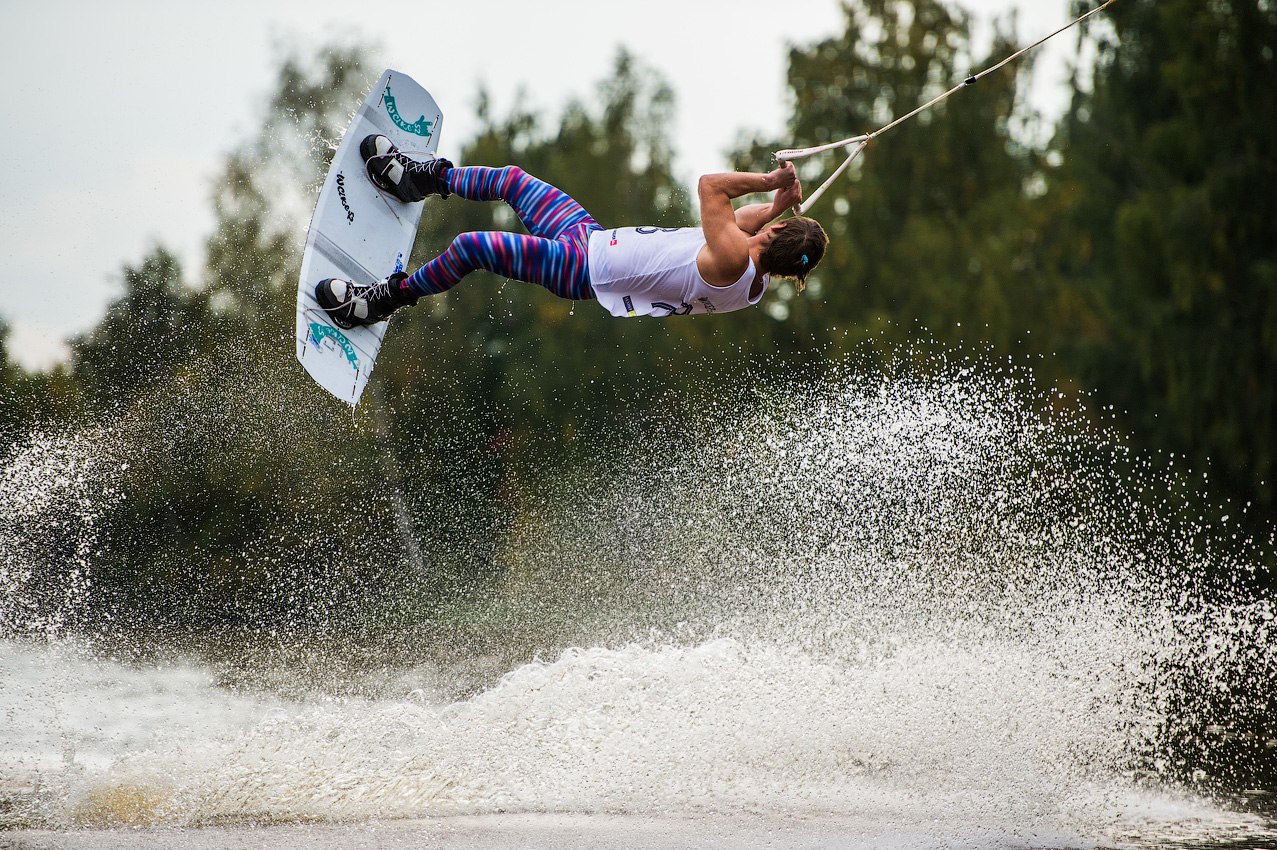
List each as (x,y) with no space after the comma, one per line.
(53,489)
(895,604)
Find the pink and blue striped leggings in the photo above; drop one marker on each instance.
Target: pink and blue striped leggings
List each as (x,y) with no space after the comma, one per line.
(554,256)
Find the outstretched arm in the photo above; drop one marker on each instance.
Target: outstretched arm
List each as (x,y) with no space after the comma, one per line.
(727,231)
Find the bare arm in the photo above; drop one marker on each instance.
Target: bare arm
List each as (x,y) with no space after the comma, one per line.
(726,253)
(752,218)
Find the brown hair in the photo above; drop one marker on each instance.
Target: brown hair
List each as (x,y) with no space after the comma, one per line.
(795,250)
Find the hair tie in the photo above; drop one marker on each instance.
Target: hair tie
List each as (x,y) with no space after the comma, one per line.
(804,259)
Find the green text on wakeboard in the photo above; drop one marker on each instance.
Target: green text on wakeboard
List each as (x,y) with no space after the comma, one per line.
(420,127)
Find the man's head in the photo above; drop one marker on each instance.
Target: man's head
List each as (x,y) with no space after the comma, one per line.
(797,245)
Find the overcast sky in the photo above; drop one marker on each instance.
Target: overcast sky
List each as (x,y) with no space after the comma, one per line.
(119,114)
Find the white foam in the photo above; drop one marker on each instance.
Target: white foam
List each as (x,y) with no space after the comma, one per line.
(902,606)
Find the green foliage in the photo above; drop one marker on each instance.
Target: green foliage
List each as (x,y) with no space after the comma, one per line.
(9,377)
(1167,203)
(929,228)
(1138,251)
(144,336)
(222,484)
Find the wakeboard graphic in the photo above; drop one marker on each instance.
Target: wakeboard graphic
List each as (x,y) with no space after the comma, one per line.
(360,233)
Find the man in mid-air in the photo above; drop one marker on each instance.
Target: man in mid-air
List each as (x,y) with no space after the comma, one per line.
(725,264)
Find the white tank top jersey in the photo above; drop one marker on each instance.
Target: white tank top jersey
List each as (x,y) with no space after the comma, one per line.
(651,271)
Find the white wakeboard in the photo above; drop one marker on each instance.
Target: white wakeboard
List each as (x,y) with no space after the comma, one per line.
(361,234)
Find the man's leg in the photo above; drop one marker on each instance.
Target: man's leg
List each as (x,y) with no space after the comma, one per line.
(554,256)
(545,210)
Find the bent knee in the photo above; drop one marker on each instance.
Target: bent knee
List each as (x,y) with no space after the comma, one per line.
(511,177)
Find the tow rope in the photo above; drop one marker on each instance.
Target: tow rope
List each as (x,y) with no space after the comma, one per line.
(862,142)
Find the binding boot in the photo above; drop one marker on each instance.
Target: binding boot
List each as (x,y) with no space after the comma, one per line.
(399,175)
(351,305)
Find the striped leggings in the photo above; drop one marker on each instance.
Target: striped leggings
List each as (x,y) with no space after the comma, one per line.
(554,256)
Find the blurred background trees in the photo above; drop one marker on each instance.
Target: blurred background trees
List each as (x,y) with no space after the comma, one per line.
(1131,254)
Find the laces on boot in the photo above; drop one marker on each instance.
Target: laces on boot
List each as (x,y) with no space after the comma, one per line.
(407,179)
(350,305)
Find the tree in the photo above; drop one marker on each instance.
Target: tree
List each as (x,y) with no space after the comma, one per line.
(9,377)
(144,335)
(1167,203)
(928,230)
(228,469)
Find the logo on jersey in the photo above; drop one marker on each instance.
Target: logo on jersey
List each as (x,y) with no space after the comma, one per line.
(420,127)
(629,306)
